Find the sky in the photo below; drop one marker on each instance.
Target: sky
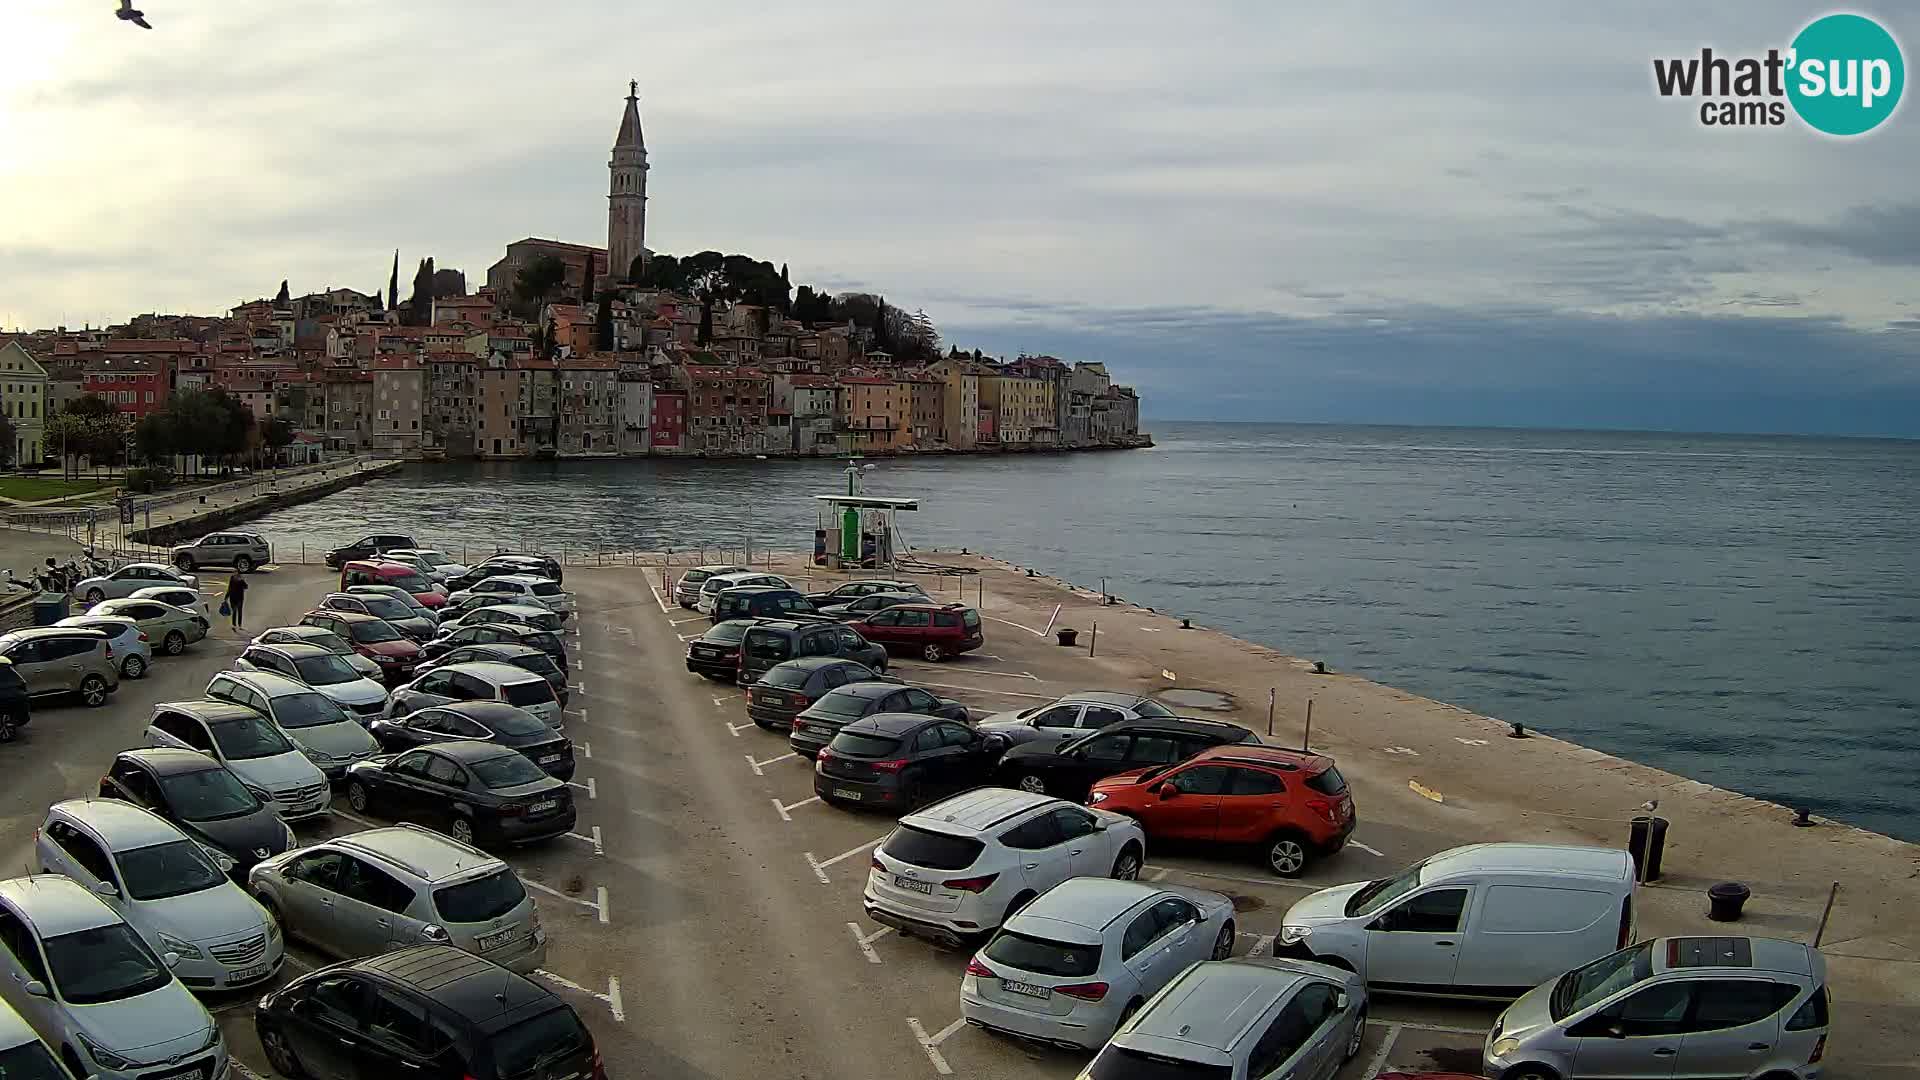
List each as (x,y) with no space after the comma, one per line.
(1380,213)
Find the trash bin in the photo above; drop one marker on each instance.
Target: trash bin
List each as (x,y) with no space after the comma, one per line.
(1725,900)
(50,608)
(1646,841)
(1067,634)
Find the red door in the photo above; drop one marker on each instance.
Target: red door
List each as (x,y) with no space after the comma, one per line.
(915,629)
(1191,812)
(882,627)
(1253,805)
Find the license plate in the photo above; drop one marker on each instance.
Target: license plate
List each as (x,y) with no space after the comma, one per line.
(1026,989)
(488,942)
(257,971)
(845,793)
(916,886)
(543,806)
(549,759)
(192,1072)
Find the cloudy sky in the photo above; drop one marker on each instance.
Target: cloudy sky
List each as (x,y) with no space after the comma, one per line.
(1394,212)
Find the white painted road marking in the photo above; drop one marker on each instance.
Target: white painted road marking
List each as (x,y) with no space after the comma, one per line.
(611,997)
(1365,848)
(735,729)
(1016,625)
(1405,751)
(656,598)
(588,787)
(865,941)
(683,622)
(1261,942)
(820,868)
(932,1045)
(598,848)
(1244,880)
(1157,874)
(1469,742)
(724,698)
(353,817)
(758,765)
(585,748)
(599,904)
(984,690)
(785,809)
(1380,1056)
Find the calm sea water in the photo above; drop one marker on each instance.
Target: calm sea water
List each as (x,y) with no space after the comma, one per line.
(1741,610)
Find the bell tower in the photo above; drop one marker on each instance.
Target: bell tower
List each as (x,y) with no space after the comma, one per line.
(627,191)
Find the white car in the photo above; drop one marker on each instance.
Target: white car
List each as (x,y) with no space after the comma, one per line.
(957,868)
(23,1052)
(315,667)
(123,582)
(166,886)
(330,737)
(131,649)
(518,588)
(1073,965)
(711,588)
(179,596)
(174,628)
(96,989)
(326,639)
(251,748)
(437,565)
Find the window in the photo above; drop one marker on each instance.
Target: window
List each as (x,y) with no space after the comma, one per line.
(139,787)
(1041,832)
(340,1001)
(320,869)
(911,617)
(1202,780)
(1436,912)
(1731,1003)
(81,848)
(19,941)
(402,1024)
(1108,748)
(1812,1012)
(1154,749)
(414,764)
(371,885)
(1141,933)
(1059,716)
(955,735)
(920,701)
(1283,1039)
(927,740)
(1254,782)
(1073,823)
(1099,716)
(442,771)
(1657,1010)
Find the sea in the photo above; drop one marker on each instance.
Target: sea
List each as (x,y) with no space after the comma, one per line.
(1742,610)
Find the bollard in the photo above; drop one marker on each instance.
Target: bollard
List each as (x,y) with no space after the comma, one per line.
(1803,818)
(1725,900)
(1067,635)
(1093,637)
(1519,731)
(1646,842)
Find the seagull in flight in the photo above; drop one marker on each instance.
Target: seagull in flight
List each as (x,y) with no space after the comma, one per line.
(137,18)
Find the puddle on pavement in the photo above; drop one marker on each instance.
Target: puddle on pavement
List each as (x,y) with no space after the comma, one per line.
(1197,699)
(1454,1059)
(1242,903)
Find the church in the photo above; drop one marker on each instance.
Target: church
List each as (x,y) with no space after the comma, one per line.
(626,219)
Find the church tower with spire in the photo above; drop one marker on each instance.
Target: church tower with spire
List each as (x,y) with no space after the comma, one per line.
(627,191)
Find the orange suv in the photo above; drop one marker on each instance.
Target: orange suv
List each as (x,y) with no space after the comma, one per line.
(1290,805)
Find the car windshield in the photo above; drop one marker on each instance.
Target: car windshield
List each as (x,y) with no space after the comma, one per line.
(547,588)
(787,676)
(372,631)
(411,581)
(1584,986)
(1060,959)
(30,1061)
(324,670)
(478,900)
(1378,894)
(846,706)
(531,692)
(208,795)
(106,963)
(1329,782)
(933,850)
(510,722)
(306,710)
(247,737)
(727,633)
(507,770)
(175,868)
(328,640)
(1152,709)
(538,663)
(524,1047)
(856,744)
(1120,1063)
(387,607)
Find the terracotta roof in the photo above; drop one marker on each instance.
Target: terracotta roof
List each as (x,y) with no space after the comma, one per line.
(138,345)
(558,244)
(396,363)
(724,374)
(812,381)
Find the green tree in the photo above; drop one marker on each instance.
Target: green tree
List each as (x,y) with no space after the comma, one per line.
(91,405)
(536,282)
(6,443)
(603,323)
(155,437)
(276,434)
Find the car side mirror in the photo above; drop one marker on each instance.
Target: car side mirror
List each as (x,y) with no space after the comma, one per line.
(1168,790)
(171,959)
(106,888)
(36,988)
(1340,1000)
(1615,1031)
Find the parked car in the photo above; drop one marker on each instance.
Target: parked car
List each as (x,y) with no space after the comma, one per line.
(23,1054)
(172,626)
(166,886)
(250,747)
(818,723)
(1069,769)
(91,986)
(367,547)
(16,710)
(525,657)
(716,653)
(849,591)
(497,1025)
(485,721)
(372,638)
(375,572)
(902,760)
(241,550)
(1084,956)
(60,660)
(1291,807)
(1486,920)
(455,610)
(206,801)
(402,617)
(517,588)
(122,582)
(330,737)
(789,688)
(437,565)
(774,641)
(473,790)
(508,563)
(1072,716)
(395,592)
(325,639)
(958,868)
(491,633)
(686,590)
(131,648)
(383,889)
(313,666)
(483,681)
(931,632)
(179,596)
(714,585)
(535,616)
(760,602)
(1684,1006)
(862,606)
(1244,1019)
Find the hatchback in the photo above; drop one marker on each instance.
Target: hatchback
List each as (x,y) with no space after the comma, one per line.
(962,866)
(376,572)
(487,633)
(1077,962)
(1290,806)
(165,885)
(519,588)
(772,641)
(716,654)
(932,632)
(366,547)
(173,626)
(848,591)
(129,642)
(206,801)
(1073,715)
(431,1010)
(403,617)
(1069,769)
(486,721)
(315,667)
(503,683)
(760,602)
(179,596)
(397,593)
(817,724)
(250,747)
(89,984)
(486,608)
(124,581)
(383,889)
(436,564)
(326,639)
(790,688)
(241,550)
(686,590)
(474,790)
(902,760)
(525,657)
(372,638)
(63,660)
(1688,1006)
(713,586)
(454,611)
(315,723)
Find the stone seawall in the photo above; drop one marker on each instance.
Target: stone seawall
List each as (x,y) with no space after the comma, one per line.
(192,522)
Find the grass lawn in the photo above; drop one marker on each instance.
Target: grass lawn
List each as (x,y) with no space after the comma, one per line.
(37,488)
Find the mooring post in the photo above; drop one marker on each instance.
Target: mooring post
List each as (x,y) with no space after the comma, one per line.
(1093,637)
(1306,737)
(1821,930)
(1270,693)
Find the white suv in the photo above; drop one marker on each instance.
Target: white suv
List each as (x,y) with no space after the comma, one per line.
(960,867)
(166,886)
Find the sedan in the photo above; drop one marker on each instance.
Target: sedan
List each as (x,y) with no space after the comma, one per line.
(1072,716)
(203,800)
(849,591)
(512,613)
(485,721)
(524,657)
(179,596)
(902,760)
(498,634)
(716,654)
(131,650)
(818,723)
(476,791)
(1073,965)
(174,628)
(124,581)
(402,617)
(863,606)
(792,686)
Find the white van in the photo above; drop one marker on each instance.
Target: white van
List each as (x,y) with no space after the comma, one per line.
(1488,920)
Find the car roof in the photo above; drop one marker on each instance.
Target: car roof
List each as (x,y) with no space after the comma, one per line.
(56,904)
(294,651)
(794,626)
(429,855)
(271,683)
(814,663)
(176,587)
(891,723)
(1566,860)
(1755,953)
(1278,757)
(168,760)
(77,622)
(30,633)
(1086,903)
(1211,1007)
(148,566)
(754,590)
(349,616)
(977,810)
(521,579)
(1103,697)
(495,671)
(498,649)
(867,689)
(711,569)
(299,629)
(14,1031)
(484,711)
(517,609)
(210,709)
(1183,724)
(469,985)
(121,824)
(468,750)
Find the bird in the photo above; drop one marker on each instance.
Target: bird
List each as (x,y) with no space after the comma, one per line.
(127,13)
(1649,806)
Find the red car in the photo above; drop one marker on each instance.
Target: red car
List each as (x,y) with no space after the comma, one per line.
(374,572)
(374,638)
(929,631)
(1290,805)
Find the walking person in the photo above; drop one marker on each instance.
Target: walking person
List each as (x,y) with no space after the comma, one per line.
(237,598)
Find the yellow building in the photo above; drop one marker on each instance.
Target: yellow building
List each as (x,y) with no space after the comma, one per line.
(1022,408)
(23,396)
(876,412)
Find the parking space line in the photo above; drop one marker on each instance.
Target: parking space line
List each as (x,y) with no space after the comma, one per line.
(785,809)
(724,698)
(932,1044)
(611,997)
(355,818)
(235,1064)
(1261,941)
(1379,1058)
(599,849)
(656,598)
(820,868)
(758,765)
(577,687)
(613,728)
(593,792)
(865,941)
(1028,629)
(735,729)
(1371,851)
(985,690)
(683,622)
(585,748)
(1442,1029)
(1157,875)
(1028,675)
(598,904)
(1281,883)
(686,637)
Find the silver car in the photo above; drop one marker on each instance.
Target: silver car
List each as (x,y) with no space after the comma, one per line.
(241,550)
(124,581)
(686,591)
(1247,1019)
(1730,1007)
(322,670)
(324,638)
(518,589)
(388,888)
(437,565)
(179,596)
(174,628)
(131,650)
(1072,716)
(315,723)
(63,660)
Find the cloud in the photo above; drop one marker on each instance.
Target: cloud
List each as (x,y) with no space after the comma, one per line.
(1881,234)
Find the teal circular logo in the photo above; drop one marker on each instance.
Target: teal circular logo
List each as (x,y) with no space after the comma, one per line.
(1846,74)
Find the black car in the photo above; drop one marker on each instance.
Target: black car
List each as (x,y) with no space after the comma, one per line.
(1067,770)
(525,657)
(498,634)
(716,653)
(203,800)
(787,689)
(367,547)
(774,641)
(15,708)
(817,724)
(476,791)
(862,606)
(854,590)
(760,602)
(484,721)
(903,760)
(431,1011)
(538,565)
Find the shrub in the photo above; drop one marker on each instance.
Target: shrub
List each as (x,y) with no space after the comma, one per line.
(146,480)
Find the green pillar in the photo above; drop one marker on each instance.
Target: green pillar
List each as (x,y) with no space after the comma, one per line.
(850,534)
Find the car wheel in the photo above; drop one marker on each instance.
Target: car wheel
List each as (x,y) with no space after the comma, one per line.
(134,666)
(1126,1014)
(1359,1035)
(279,1054)
(175,643)
(1530,1071)
(461,829)
(7,729)
(933,654)
(243,564)
(184,562)
(357,797)
(1223,945)
(1032,782)
(93,691)
(95,595)
(1126,867)
(1287,855)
